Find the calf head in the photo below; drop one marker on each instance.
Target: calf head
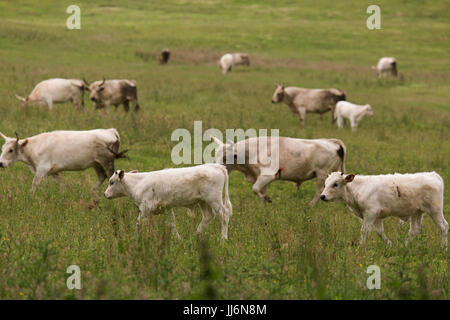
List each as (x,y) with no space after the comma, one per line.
(278,95)
(335,186)
(369,110)
(116,188)
(11,150)
(224,151)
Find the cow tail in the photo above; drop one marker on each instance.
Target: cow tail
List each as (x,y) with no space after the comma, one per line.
(341,152)
(227,201)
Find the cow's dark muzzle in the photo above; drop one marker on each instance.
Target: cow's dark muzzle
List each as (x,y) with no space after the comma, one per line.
(323,198)
(93,99)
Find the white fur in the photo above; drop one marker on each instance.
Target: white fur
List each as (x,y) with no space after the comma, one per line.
(373,198)
(52,152)
(230,60)
(51,91)
(157,191)
(352,112)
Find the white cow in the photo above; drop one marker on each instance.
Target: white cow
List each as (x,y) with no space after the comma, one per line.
(352,112)
(373,198)
(51,91)
(385,66)
(288,159)
(52,152)
(230,60)
(157,191)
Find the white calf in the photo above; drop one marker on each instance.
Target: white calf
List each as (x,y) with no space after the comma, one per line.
(373,198)
(155,192)
(353,112)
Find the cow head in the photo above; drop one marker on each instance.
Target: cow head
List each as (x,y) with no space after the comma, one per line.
(335,186)
(96,95)
(116,188)
(11,150)
(278,95)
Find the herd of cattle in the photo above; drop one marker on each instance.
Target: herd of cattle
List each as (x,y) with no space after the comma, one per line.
(371,198)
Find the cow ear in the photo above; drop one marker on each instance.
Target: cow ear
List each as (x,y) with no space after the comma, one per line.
(349,178)
(23,144)
(121,174)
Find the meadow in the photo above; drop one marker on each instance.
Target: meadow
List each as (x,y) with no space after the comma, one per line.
(283,250)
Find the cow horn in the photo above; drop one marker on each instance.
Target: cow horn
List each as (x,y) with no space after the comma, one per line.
(85,82)
(17,135)
(103,82)
(3,136)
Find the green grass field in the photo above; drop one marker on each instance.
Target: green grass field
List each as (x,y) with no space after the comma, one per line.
(285,250)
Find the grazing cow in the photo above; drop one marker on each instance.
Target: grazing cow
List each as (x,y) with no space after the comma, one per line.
(385,66)
(52,152)
(299,160)
(165,56)
(113,92)
(157,191)
(51,91)
(230,60)
(373,198)
(302,101)
(352,112)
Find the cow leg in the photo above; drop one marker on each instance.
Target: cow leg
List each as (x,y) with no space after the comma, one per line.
(379,228)
(320,183)
(302,114)
(321,118)
(76,102)
(260,187)
(414,228)
(437,215)
(136,106)
(298,184)
(37,180)
(126,105)
(101,174)
(353,123)
(173,225)
(208,216)
(108,168)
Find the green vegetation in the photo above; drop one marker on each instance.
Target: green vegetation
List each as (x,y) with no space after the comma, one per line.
(284,250)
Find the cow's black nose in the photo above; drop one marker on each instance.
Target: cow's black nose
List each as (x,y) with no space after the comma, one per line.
(93,99)
(273,101)
(1,165)
(322,197)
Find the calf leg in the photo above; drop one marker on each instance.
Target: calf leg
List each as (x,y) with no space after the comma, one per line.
(366,227)
(414,228)
(353,124)
(379,228)
(173,225)
(340,122)
(260,187)
(208,216)
(438,217)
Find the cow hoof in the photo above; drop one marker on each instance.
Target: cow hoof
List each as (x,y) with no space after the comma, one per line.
(267,199)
